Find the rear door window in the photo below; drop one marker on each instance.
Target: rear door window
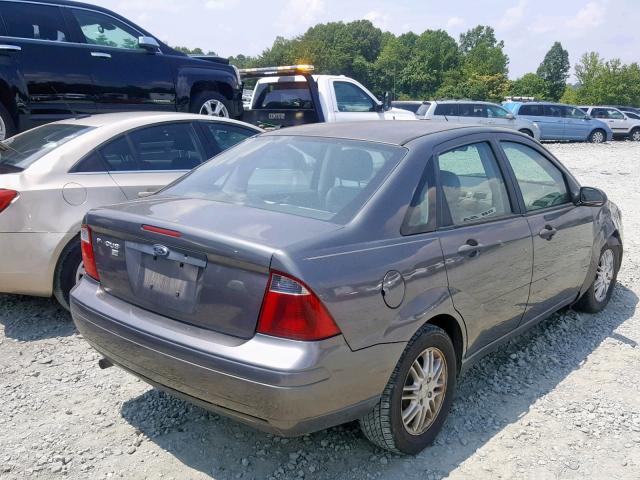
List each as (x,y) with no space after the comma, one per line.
(472,184)
(448,109)
(599,113)
(33,21)
(553,111)
(532,110)
(168,146)
(472,110)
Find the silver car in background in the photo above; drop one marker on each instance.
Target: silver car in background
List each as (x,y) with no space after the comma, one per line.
(52,175)
(479,113)
(622,124)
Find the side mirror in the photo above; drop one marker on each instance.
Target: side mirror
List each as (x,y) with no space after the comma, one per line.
(148,43)
(592,197)
(510,116)
(386,103)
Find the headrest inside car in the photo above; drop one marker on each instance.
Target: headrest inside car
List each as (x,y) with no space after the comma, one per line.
(354,165)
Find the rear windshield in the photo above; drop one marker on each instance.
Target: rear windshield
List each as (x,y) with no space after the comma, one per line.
(19,152)
(422,110)
(325,179)
(284,95)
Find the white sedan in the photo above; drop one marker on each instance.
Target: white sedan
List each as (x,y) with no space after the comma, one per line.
(52,175)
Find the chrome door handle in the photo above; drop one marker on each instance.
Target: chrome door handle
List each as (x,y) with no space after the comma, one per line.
(471,248)
(100,55)
(10,48)
(547,232)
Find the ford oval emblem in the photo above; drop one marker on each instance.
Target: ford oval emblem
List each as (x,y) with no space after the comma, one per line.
(160,250)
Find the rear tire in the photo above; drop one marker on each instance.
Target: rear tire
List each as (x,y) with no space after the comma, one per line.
(597,136)
(7,126)
(527,132)
(635,135)
(68,272)
(596,298)
(392,423)
(212,104)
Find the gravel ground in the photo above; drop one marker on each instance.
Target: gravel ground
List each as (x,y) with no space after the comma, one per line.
(560,402)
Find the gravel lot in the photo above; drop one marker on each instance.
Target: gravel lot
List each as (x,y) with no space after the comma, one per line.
(563,401)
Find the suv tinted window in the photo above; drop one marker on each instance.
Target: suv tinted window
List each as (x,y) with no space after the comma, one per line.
(533,110)
(99,29)
(542,184)
(448,109)
(472,184)
(294,95)
(351,98)
(169,146)
(553,111)
(223,136)
(38,22)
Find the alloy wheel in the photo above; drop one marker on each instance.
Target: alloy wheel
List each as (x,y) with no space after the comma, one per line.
(424,391)
(597,137)
(635,136)
(214,108)
(604,275)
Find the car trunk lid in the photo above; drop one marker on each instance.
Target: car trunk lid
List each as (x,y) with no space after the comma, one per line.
(196,261)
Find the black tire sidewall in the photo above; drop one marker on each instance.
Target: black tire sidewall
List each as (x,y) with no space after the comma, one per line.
(65,278)
(9,125)
(633,131)
(203,97)
(588,302)
(413,444)
(592,135)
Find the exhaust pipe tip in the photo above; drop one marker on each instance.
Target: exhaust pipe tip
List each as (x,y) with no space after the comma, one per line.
(104,363)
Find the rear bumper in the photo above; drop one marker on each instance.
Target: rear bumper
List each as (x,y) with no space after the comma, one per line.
(276,385)
(27,262)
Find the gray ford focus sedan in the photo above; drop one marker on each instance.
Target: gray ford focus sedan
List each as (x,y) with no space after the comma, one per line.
(321,274)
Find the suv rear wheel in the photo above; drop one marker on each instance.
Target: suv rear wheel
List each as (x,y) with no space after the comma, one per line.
(417,398)
(598,136)
(635,134)
(212,104)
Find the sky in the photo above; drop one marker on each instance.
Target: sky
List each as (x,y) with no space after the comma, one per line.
(528,27)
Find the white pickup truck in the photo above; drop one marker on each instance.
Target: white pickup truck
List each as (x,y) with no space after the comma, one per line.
(286,96)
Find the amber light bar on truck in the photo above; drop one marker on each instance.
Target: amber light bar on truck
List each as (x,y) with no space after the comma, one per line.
(282,70)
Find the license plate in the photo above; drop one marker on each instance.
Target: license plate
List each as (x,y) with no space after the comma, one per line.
(166,281)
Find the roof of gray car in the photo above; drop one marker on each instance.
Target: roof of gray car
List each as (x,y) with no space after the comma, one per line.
(398,132)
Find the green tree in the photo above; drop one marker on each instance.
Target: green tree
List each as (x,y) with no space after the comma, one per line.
(482,53)
(531,85)
(554,70)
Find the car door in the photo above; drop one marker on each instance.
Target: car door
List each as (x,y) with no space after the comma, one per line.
(499,116)
(577,127)
(57,76)
(618,122)
(554,121)
(352,103)
(562,232)
(487,245)
(125,77)
(149,158)
(535,113)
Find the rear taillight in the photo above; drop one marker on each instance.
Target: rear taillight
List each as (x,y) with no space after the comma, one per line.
(7,197)
(291,310)
(88,258)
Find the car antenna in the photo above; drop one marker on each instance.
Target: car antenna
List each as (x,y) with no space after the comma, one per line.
(68,105)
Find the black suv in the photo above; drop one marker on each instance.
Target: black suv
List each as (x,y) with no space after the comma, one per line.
(60,58)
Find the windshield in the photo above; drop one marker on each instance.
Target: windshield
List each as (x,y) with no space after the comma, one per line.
(325,179)
(19,152)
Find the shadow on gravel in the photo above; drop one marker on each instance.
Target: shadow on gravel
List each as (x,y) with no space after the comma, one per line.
(492,395)
(33,318)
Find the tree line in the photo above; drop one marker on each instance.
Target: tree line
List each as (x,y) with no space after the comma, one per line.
(434,65)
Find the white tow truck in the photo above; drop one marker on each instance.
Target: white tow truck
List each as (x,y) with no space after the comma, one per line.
(292,95)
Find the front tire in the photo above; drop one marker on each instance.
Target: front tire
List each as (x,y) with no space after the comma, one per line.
(417,398)
(212,104)
(68,272)
(596,298)
(597,136)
